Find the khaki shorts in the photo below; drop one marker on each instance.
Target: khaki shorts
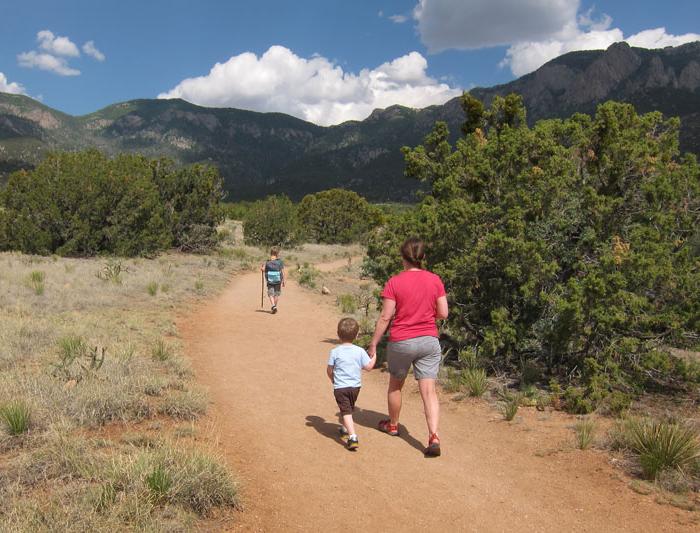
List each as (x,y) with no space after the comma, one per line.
(424,353)
(274,290)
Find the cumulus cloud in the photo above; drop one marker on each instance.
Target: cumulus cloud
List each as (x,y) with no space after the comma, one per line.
(314,89)
(7,86)
(56,45)
(48,62)
(535,31)
(90,49)
(526,57)
(456,24)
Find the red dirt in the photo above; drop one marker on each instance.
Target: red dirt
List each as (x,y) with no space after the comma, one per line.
(274,408)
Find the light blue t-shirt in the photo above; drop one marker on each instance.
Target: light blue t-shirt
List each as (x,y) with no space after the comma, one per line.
(347,361)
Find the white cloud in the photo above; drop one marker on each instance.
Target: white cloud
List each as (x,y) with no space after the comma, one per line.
(90,49)
(658,38)
(314,89)
(458,24)
(56,45)
(526,57)
(398,19)
(48,62)
(7,86)
(535,31)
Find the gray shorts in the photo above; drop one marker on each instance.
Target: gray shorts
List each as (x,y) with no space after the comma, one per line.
(423,352)
(274,290)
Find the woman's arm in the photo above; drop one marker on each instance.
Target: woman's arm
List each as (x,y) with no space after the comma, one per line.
(388,309)
(441,310)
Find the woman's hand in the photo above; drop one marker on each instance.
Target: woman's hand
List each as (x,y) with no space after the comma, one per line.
(372,350)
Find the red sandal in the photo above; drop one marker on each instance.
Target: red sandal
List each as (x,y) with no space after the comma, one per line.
(433,449)
(387,427)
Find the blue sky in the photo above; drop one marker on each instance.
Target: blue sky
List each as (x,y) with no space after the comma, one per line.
(324,61)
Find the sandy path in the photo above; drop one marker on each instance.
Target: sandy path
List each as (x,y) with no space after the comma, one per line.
(274,409)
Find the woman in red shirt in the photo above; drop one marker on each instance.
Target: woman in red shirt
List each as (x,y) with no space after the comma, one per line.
(414,299)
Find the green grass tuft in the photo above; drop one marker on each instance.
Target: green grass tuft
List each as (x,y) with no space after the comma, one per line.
(16,416)
(475,381)
(152,288)
(161,351)
(585,430)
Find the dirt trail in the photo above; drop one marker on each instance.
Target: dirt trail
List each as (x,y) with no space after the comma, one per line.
(274,409)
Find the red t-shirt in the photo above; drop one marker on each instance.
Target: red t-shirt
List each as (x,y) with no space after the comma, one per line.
(415,293)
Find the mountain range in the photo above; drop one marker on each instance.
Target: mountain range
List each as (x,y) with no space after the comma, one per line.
(265,153)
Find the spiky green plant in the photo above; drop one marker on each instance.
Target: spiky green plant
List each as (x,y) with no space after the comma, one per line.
(475,381)
(662,445)
(159,483)
(35,281)
(585,430)
(16,416)
(161,351)
(152,288)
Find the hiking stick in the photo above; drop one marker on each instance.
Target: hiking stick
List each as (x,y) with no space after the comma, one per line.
(262,290)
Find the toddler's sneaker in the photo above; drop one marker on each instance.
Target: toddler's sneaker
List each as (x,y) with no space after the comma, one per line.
(274,309)
(343,434)
(352,443)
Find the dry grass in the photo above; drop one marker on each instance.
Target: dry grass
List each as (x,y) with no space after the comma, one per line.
(76,353)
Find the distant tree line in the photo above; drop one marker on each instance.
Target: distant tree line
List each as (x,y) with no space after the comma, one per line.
(570,250)
(85,203)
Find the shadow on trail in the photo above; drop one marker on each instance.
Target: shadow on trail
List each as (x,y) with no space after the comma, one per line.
(331,341)
(370,419)
(362,417)
(327,429)
(264,311)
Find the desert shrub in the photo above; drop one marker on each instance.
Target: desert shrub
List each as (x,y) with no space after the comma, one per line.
(152,288)
(271,222)
(306,275)
(508,403)
(347,303)
(585,430)
(337,216)
(16,417)
(84,203)
(567,244)
(112,272)
(475,381)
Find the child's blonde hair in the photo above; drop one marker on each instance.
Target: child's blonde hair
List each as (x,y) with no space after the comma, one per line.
(348,328)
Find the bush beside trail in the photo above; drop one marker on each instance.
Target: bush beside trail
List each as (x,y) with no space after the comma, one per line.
(271,222)
(84,204)
(569,247)
(337,216)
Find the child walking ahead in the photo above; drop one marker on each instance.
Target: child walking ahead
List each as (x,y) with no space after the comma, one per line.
(345,366)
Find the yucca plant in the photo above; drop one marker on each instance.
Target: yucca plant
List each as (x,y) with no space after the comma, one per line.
(16,416)
(475,381)
(509,404)
(161,351)
(585,430)
(662,445)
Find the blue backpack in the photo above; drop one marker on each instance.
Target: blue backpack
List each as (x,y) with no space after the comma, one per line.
(273,271)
